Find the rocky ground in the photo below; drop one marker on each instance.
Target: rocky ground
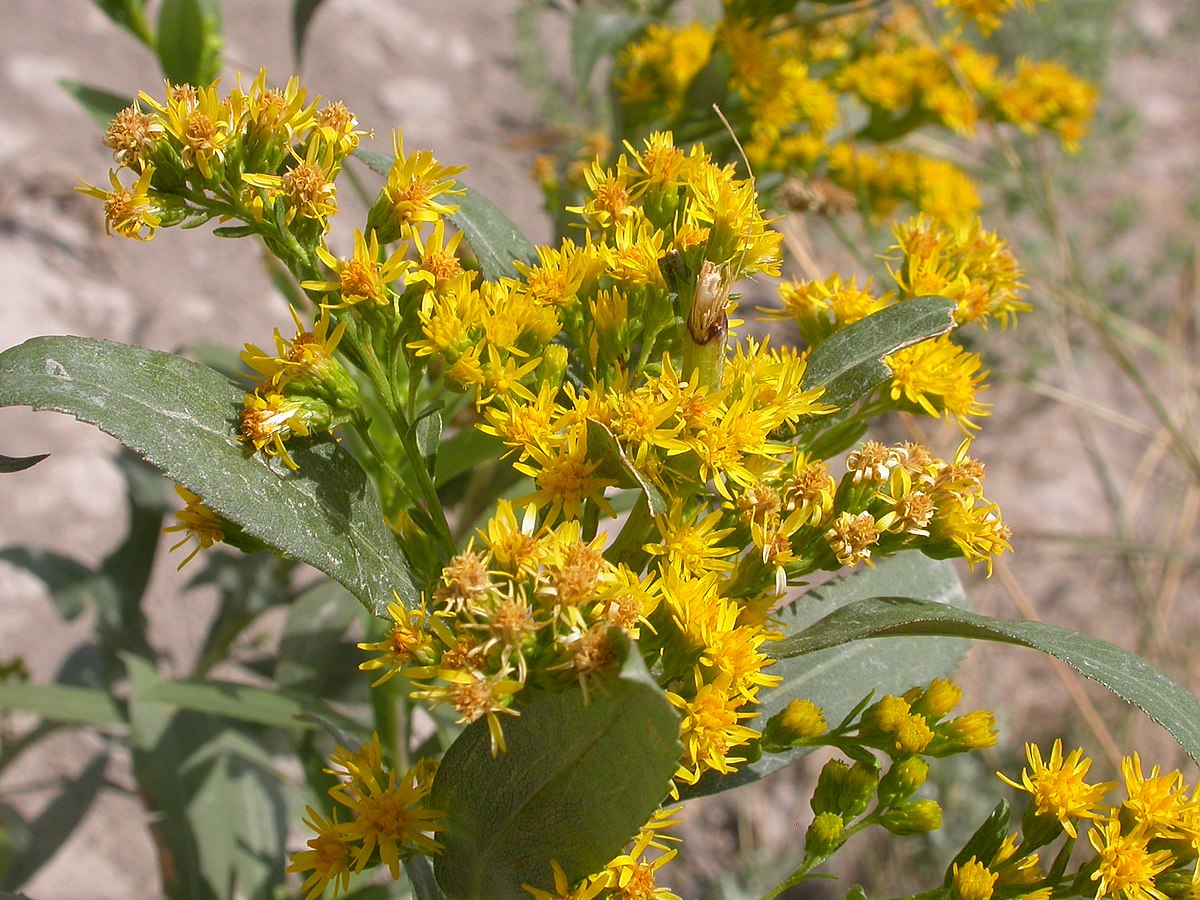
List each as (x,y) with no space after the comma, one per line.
(448,73)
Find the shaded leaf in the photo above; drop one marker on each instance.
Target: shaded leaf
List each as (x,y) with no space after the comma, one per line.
(1125,674)
(189,40)
(596,33)
(616,465)
(243,702)
(100,104)
(58,821)
(302,15)
(494,239)
(314,657)
(63,703)
(577,781)
(420,876)
(67,581)
(847,363)
(183,418)
(20,463)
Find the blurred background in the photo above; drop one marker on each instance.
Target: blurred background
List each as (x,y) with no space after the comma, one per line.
(1091,447)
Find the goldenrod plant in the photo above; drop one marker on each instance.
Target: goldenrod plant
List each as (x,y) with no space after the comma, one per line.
(615,553)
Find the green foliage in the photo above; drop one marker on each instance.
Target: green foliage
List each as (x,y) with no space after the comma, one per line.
(611,752)
(182,417)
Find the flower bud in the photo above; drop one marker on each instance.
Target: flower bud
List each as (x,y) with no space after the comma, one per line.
(973,731)
(845,790)
(938,699)
(824,835)
(799,721)
(974,881)
(902,780)
(917,817)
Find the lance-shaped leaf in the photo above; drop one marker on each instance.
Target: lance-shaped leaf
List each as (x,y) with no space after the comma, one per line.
(183,418)
(1125,674)
(578,779)
(839,677)
(847,363)
(20,463)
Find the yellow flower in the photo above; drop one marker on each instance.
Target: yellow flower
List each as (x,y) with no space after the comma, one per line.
(941,378)
(307,187)
(851,538)
(338,128)
(691,545)
(272,115)
(199,121)
(984,13)
(974,881)
(1126,866)
(411,194)
(329,856)
(130,211)
(307,353)
(406,640)
(565,477)
(711,729)
(268,420)
(197,522)
(362,277)
(1057,786)
(438,262)
(133,136)
(588,889)
(389,817)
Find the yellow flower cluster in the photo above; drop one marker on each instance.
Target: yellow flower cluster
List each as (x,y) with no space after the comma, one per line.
(964,263)
(882,75)
(1144,846)
(260,154)
(389,821)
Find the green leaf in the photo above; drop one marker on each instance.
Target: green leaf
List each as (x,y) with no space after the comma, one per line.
(428,432)
(596,33)
(379,163)
(420,877)
(57,822)
(243,702)
(847,363)
(578,779)
(302,14)
(219,815)
(616,465)
(189,40)
(839,677)
(494,239)
(463,451)
(130,15)
(20,463)
(1125,674)
(984,843)
(183,418)
(63,703)
(100,104)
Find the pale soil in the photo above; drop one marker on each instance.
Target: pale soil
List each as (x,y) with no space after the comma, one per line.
(447,72)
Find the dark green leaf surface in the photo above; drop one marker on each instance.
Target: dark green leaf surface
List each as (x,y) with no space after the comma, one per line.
(20,463)
(182,417)
(838,677)
(616,465)
(847,364)
(314,657)
(577,781)
(494,239)
(1125,674)
(62,703)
